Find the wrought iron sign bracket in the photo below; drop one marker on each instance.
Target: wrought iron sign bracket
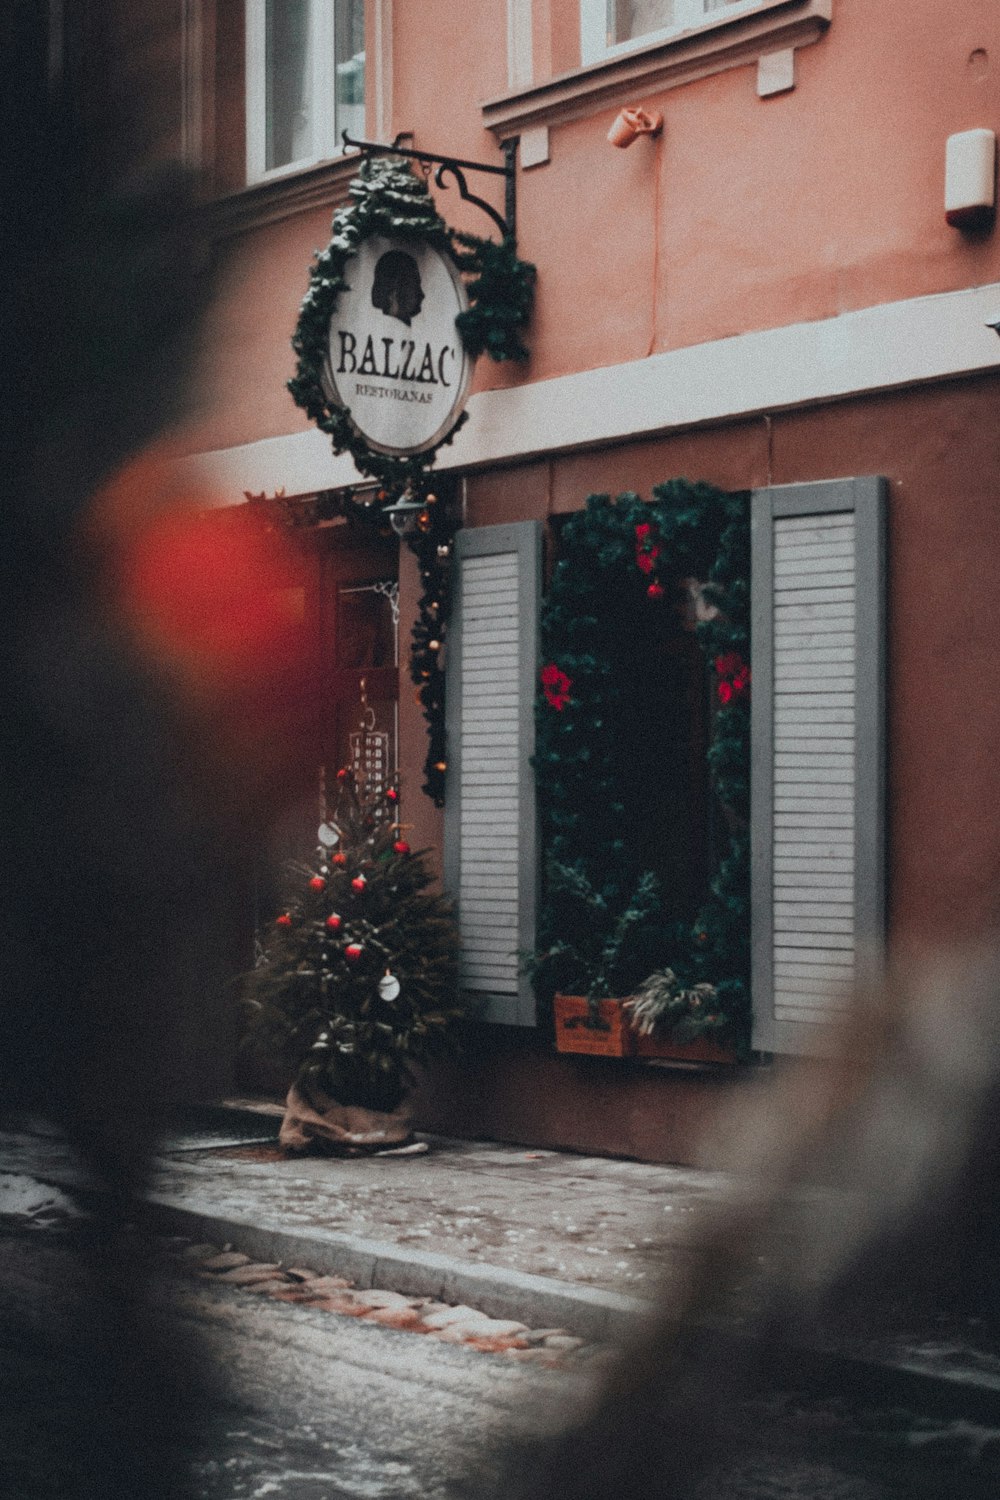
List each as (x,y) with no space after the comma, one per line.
(506,223)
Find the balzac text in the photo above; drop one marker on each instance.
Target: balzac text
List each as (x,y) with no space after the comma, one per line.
(399,359)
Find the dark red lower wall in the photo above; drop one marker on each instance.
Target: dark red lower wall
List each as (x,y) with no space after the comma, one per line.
(939,446)
(508,1084)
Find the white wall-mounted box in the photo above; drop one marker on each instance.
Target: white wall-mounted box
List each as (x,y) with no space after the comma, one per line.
(970,179)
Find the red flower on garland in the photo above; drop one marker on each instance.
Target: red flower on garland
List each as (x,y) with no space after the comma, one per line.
(556,686)
(734,676)
(646,550)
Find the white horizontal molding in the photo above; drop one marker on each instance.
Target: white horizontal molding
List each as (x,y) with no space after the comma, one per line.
(721,41)
(883,348)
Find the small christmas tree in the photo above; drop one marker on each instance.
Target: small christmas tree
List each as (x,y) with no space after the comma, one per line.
(360,978)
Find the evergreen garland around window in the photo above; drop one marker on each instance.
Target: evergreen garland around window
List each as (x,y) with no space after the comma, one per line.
(605,924)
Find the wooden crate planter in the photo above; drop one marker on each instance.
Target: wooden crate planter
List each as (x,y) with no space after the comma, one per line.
(701,1050)
(620,1040)
(574,1035)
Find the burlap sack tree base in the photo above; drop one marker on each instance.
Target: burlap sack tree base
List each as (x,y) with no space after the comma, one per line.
(322,1126)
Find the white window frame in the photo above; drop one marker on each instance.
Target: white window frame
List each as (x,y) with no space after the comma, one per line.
(322,49)
(594,44)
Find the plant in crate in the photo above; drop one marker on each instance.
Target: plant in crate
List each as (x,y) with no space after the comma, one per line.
(645,676)
(598,943)
(359,981)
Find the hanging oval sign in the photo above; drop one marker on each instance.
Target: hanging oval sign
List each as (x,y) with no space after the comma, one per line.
(395,362)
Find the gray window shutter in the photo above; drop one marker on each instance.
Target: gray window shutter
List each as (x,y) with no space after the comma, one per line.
(818,756)
(491,844)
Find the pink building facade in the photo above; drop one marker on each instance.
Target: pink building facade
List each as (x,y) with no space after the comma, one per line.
(766,296)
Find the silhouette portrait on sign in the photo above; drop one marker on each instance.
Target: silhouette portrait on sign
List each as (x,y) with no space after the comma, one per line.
(396,289)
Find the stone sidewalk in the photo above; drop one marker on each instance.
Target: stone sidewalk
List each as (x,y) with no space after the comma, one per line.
(598,1223)
(549,1239)
(543,1236)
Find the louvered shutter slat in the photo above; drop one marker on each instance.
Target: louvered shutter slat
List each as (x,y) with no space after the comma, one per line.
(490,835)
(817,812)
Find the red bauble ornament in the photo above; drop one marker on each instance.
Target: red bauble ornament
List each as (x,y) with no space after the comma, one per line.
(734,676)
(353,952)
(317,883)
(728,665)
(555,686)
(655,591)
(358,883)
(283,921)
(333,921)
(401,846)
(340,859)
(343,774)
(392,795)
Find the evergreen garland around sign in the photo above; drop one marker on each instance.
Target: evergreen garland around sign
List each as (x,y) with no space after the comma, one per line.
(388,198)
(602,924)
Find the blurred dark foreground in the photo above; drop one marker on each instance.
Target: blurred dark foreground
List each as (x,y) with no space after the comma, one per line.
(131,791)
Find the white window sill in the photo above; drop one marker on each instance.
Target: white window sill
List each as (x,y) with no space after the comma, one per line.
(730,41)
(297,190)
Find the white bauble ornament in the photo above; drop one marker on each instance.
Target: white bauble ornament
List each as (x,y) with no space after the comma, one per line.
(388,986)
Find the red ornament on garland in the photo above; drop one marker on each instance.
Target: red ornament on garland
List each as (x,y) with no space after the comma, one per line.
(555,686)
(340,859)
(283,921)
(358,883)
(734,676)
(401,846)
(317,883)
(655,591)
(646,550)
(343,774)
(728,665)
(333,921)
(353,952)
(391,794)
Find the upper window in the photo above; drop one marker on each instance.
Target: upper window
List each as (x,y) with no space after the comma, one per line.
(305,81)
(608,27)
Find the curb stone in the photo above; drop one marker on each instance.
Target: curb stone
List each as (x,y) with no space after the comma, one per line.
(599,1317)
(538,1301)
(461,1325)
(882,1380)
